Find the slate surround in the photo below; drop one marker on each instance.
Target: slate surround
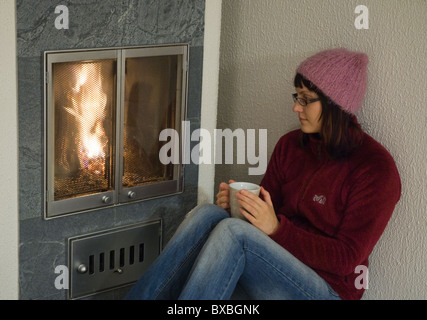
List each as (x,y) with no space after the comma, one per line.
(92,24)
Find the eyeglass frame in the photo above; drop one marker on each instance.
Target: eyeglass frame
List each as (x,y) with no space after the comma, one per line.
(303,102)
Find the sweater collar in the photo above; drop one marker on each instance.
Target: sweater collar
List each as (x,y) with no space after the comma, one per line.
(317,146)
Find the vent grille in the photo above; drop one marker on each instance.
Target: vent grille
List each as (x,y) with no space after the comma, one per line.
(112,259)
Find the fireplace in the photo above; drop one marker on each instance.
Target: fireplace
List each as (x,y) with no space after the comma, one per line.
(104,111)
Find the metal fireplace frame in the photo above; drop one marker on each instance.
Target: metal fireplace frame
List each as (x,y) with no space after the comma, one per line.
(120,195)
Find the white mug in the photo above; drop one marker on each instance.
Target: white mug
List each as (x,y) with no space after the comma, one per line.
(234,204)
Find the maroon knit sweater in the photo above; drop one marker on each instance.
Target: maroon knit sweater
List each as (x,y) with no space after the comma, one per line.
(331,213)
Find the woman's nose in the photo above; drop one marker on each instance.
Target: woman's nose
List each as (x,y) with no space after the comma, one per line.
(297,107)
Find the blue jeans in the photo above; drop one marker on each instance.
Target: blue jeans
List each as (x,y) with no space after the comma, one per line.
(215,257)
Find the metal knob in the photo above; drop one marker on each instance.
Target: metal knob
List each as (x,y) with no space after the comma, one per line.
(82,269)
(131,194)
(119,271)
(106,199)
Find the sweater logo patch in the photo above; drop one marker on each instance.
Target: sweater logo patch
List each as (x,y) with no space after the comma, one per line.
(319,199)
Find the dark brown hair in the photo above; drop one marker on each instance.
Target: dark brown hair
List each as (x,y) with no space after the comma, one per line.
(340,131)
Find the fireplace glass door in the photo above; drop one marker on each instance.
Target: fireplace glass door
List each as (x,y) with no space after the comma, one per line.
(151,104)
(104,111)
(85,106)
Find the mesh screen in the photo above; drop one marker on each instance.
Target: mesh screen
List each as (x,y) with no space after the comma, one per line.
(150,106)
(85,98)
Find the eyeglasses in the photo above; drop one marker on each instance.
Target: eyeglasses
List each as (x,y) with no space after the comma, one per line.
(303,102)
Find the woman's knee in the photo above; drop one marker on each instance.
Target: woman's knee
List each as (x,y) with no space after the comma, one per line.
(237,228)
(201,219)
(206,214)
(208,211)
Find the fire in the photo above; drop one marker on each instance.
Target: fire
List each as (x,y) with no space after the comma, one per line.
(88,106)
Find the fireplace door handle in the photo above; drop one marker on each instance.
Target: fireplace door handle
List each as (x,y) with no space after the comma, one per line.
(106,199)
(131,194)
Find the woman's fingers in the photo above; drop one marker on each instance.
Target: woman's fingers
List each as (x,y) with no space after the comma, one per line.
(250,202)
(259,212)
(223,196)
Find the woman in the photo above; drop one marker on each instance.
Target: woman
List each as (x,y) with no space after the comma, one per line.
(327,195)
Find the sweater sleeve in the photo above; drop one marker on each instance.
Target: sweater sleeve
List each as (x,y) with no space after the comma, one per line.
(273,177)
(374,190)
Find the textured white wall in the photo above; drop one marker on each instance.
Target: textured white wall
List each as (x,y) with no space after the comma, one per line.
(8,154)
(262,43)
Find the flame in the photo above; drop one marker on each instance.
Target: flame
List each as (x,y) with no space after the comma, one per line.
(88,106)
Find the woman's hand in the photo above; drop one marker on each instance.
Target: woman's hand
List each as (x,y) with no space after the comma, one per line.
(259,212)
(223,196)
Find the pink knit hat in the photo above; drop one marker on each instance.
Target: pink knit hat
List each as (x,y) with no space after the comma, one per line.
(340,74)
